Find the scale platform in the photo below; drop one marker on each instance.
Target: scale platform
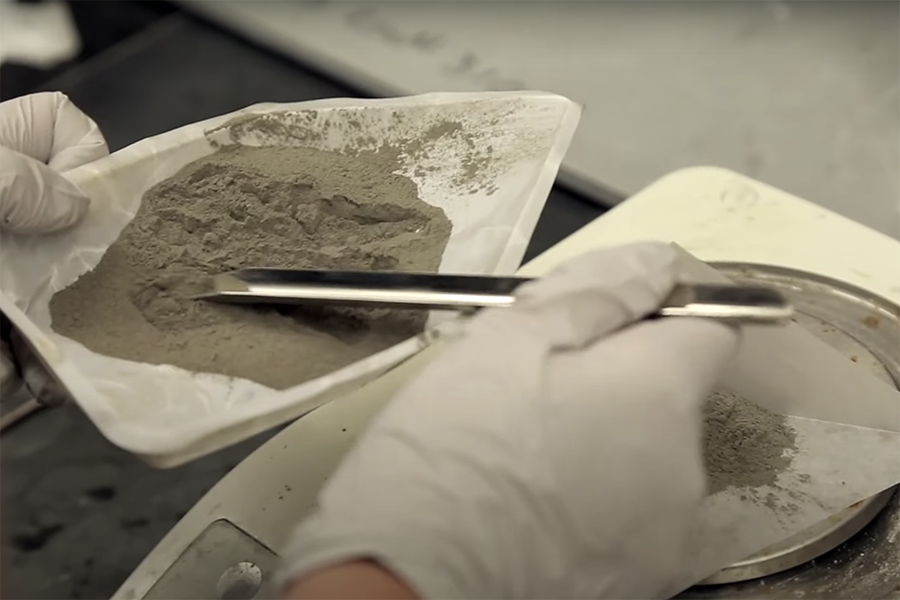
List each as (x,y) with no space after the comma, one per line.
(752,232)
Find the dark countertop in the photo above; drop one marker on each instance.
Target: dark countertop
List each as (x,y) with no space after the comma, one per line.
(78,513)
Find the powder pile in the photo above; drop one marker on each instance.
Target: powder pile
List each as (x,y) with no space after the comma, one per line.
(265,207)
(744,445)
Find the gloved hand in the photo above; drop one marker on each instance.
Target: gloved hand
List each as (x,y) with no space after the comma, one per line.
(552,452)
(40,136)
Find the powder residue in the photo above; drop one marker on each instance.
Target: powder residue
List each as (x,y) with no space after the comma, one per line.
(455,143)
(744,445)
(265,207)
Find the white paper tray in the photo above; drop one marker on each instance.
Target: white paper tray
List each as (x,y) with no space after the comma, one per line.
(168,415)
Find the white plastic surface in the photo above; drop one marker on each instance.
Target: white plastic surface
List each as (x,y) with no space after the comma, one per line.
(169,415)
(716,214)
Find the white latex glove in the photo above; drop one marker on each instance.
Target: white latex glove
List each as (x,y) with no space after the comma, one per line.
(552,452)
(40,136)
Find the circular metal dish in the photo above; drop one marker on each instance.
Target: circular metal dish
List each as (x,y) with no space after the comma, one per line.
(866,329)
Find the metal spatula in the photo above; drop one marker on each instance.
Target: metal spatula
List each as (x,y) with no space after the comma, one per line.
(465,293)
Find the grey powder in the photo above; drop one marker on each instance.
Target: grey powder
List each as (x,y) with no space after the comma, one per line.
(744,445)
(242,207)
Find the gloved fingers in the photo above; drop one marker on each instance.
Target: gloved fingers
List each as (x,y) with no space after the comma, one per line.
(668,366)
(41,134)
(638,394)
(34,198)
(49,128)
(503,353)
(687,353)
(589,296)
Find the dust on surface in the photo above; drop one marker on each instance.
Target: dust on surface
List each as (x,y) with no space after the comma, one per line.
(286,207)
(456,142)
(744,445)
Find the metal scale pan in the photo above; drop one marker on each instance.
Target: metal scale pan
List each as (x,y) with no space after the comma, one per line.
(866,329)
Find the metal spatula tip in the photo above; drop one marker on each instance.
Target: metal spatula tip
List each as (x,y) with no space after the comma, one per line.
(218,287)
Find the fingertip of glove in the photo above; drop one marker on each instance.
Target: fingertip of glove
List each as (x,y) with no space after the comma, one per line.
(640,273)
(650,255)
(653,262)
(77,138)
(36,199)
(647,255)
(597,293)
(53,97)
